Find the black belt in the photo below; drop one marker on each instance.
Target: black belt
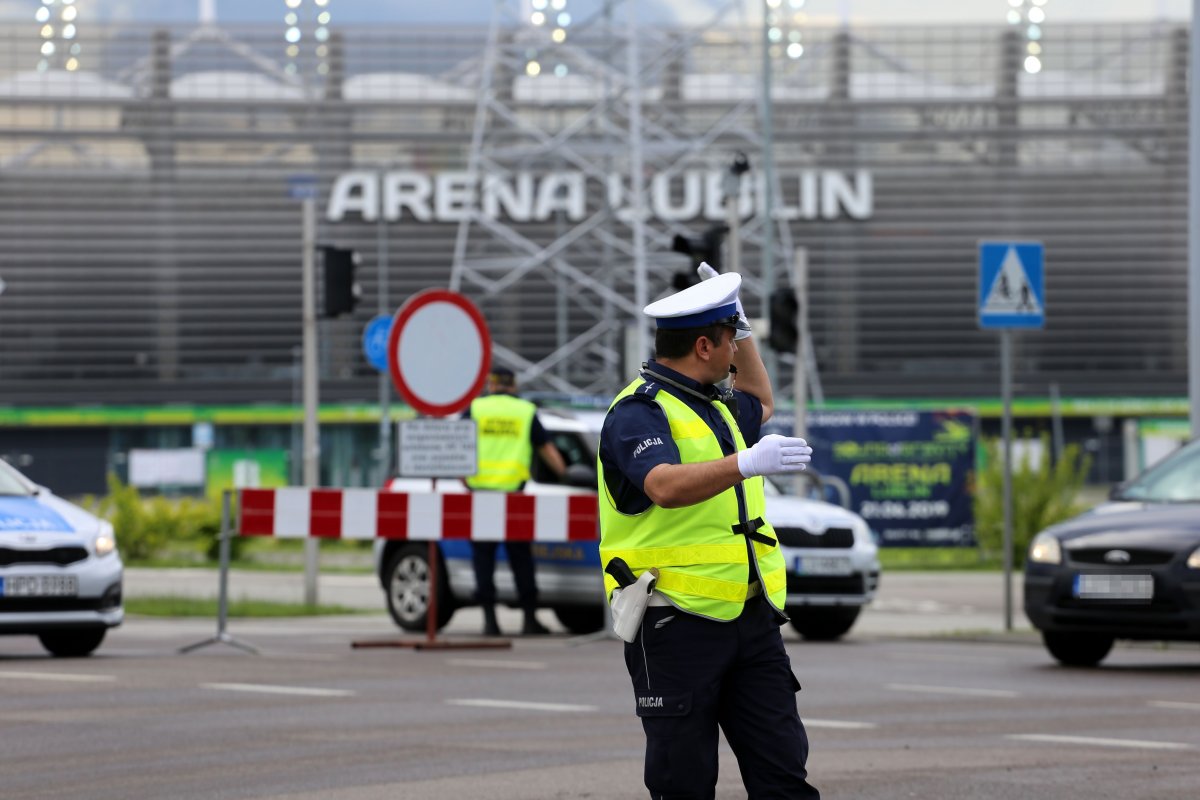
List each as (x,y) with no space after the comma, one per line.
(750,531)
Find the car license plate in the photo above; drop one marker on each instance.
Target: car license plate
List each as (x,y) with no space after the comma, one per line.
(39,586)
(822,565)
(1114,587)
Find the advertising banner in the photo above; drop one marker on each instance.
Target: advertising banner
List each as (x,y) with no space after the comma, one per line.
(909,474)
(246,469)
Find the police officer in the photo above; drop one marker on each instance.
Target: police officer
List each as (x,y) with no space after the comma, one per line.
(681,491)
(508,433)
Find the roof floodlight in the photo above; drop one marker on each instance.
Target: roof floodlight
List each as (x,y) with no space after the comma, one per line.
(1036,15)
(533,68)
(292,3)
(796,3)
(322,34)
(1033,32)
(68,2)
(795,50)
(68,32)
(48,48)
(69,13)
(292,35)
(539,5)
(324,17)
(774,34)
(564,19)
(290,18)
(72,64)
(322,3)
(1016,3)
(1014,17)
(1033,65)
(537,18)
(560,70)
(293,50)
(559,35)
(42,14)
(1039,2)
(1034,49)
(558,5)
(47,31)
(774,3)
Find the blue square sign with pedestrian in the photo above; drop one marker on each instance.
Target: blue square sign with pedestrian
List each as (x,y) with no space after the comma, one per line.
(1012,289)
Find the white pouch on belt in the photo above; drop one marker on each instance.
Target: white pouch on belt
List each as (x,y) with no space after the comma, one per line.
(629,605)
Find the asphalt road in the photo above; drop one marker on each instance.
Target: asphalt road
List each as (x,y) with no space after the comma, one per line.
(310,717)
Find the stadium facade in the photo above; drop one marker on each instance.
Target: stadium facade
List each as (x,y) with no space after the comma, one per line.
(152,251)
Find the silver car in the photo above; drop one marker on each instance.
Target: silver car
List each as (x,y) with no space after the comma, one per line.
(60,574)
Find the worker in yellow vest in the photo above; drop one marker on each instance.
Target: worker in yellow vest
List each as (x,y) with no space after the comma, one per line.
(683,533)
(508,433)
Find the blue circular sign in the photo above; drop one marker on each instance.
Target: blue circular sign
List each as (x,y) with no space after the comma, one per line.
(375,341)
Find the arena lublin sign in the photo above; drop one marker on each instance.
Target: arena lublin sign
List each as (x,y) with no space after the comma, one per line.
(526,197)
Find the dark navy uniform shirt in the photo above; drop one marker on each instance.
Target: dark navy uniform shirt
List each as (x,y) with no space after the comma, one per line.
(636,437)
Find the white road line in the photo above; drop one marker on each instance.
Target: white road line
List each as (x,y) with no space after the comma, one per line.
(914,687)
(266,688)
(64,677)
(1174,704)
(484,703)
(837,724)
(497,663)
(1141,744)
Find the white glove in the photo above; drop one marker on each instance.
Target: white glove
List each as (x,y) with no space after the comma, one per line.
(705,272)
(774,454)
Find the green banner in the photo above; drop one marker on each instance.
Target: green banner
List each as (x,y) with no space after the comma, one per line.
(246,469)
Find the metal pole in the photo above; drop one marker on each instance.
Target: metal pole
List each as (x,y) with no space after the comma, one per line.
(385,384)
(311,441)
(799,380)
(1193,348)
(636,168)
(768,195)
(1006,392)
(733,192)
(223,550)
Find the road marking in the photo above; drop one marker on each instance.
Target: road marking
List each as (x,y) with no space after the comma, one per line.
(269,689)
(484,703)
(64,677)
(1141,744)
(1173,704)
(838,724)
(497,663)
(914,687)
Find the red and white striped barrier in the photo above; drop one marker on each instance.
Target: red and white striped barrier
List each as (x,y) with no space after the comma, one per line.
(299,513)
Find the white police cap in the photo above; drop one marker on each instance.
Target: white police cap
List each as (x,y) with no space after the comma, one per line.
(710,302)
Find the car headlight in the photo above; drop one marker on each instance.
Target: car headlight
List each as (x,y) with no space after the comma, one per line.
(1045,549)
(105,542)
(1194,559)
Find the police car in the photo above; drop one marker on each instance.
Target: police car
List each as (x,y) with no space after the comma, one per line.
(60,574)
(831,555)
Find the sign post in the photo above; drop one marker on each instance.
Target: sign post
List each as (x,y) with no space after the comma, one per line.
(439,352)
(1012,294)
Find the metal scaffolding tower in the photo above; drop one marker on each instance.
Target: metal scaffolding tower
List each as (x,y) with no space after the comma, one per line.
(596,109)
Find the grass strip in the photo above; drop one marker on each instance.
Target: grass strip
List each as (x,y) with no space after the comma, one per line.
(177,606)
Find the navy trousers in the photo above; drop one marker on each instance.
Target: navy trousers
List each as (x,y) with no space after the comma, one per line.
(520,558)
(692,676)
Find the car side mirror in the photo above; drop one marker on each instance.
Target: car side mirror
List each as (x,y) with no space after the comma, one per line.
(580,476)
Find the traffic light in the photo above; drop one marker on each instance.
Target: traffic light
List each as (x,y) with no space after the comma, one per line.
(784,310)
(341,292)
(705,248)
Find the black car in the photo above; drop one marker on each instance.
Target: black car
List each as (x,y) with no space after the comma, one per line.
(1128,569)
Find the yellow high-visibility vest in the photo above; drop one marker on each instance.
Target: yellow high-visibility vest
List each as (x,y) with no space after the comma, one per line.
(704,566)
(504,449)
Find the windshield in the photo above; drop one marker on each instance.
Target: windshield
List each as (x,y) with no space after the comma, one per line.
(11,482)
(1175,479)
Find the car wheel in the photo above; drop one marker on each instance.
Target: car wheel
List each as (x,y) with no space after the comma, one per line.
(1077,649)
(72,644)
(407,582)
(580,619)
(823,623)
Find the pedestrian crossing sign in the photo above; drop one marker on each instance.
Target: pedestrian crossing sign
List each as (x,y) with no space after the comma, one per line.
(1012,291)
